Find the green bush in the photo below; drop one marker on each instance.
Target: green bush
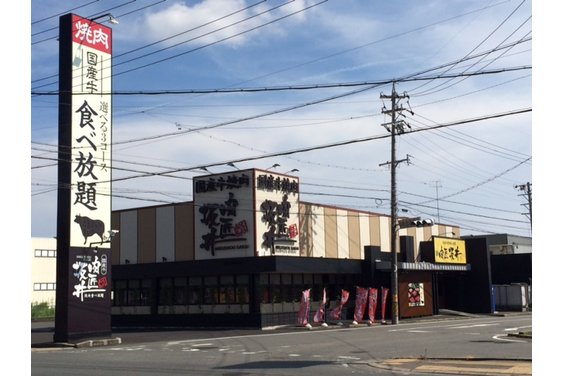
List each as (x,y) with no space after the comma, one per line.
(42,311)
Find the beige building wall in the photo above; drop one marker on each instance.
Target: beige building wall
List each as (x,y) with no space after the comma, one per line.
(164,229)
(166,233)
(385,234)
(339,233)
(355,252)
(147,236)
(331,250)
(43,270)
(312,233)
(184,232)
(364,228)
(342,234)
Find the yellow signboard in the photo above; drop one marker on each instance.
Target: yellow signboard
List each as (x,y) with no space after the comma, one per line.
(449,250)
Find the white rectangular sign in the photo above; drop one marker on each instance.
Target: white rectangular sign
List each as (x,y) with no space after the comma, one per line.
(91,134)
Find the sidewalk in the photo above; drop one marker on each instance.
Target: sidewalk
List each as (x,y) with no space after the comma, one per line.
(466,366)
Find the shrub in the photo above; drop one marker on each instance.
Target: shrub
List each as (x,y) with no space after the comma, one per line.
(42,311)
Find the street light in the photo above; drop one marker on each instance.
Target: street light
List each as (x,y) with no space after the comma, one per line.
(112,19)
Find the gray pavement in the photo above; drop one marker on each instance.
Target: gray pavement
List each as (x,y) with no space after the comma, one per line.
(42,331)
(42,340)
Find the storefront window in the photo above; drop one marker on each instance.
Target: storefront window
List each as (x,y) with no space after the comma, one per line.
(165,291)
(275,288)
(299,286)
(210,290)
(242,289)
(144,296)
(180,291)
(195,291)
(264,288)
(120,292)
(133,292)
(287,291)
(317,287)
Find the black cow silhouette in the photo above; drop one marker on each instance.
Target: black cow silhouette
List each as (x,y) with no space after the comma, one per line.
(90,227)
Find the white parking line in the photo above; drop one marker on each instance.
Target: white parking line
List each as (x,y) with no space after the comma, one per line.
(499,338)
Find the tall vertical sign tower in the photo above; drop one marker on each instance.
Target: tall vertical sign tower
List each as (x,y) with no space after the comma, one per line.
(83,304)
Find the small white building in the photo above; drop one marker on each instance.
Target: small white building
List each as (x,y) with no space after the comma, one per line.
(43,270)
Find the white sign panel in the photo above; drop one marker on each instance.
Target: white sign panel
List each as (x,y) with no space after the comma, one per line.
(276,211)
(91,134)
(223,215)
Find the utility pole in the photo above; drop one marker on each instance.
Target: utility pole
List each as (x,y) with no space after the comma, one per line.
(528,193)
(394,127)
(438,185)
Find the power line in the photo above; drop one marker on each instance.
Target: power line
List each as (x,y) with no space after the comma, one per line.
(60,14)
(294,87)
(341,143)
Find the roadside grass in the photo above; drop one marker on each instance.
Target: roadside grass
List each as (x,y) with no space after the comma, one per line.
(42,311)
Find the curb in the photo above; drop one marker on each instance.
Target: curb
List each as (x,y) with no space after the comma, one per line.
(98,342)
(83,344)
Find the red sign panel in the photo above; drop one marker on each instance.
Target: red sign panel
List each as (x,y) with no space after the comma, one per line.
(91,34)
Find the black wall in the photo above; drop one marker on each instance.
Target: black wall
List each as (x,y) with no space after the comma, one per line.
(478,284)
(507,269)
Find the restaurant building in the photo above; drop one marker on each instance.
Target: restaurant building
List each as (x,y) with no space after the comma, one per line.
(242,252)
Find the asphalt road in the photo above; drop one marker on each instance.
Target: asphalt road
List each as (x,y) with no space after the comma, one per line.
(482,345)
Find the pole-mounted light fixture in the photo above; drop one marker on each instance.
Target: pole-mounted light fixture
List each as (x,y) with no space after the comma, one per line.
(112,19)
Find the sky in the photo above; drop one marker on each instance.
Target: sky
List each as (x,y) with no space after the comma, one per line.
(303,85)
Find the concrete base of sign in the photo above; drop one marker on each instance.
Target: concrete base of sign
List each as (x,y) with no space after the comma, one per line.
(97,342)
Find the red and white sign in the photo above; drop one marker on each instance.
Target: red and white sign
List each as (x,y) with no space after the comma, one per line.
(303,313)
(360,303)
(372,303)
(336,312)
(91,123)
(91,34)
(320,313)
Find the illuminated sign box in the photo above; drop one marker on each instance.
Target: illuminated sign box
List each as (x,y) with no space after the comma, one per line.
(449,250)
(246,213)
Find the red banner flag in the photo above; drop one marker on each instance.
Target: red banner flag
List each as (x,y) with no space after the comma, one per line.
(336,312)
(360,304)
(372,303)
(320,314)
(384,298)
(303,313)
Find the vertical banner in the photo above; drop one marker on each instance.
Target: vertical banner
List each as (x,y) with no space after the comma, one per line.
(320,313)
(360,304)
(303,313)
(336,312)
(372,304)
(385,291)
(83,306)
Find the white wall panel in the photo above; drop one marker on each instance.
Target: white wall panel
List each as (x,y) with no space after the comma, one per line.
(364,222)
(342,234)
(385,244)
(318,230)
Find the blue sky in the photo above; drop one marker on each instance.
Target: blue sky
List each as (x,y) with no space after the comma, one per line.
(463,174)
